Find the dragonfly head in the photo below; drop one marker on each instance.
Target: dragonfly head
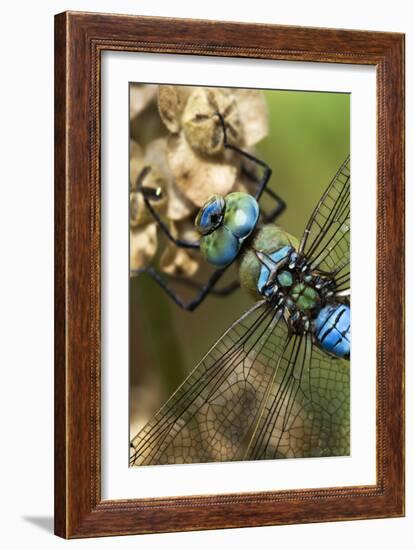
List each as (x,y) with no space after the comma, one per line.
(224,224)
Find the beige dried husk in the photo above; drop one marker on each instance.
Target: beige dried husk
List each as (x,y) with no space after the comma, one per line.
(147,170)
(198,177)
(141,96)
(196,155)
(179,261)
(143,245)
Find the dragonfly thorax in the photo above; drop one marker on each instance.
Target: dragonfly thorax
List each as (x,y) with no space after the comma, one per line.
(287,281)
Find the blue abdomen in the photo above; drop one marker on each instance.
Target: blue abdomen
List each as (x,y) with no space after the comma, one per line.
(332,330)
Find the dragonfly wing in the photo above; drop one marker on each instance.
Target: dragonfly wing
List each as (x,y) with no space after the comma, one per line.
(307,411)
(209,416)
(328,414)
(326,239)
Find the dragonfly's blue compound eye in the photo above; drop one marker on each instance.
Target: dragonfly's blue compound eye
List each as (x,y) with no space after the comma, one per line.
(224,225)
(221,247)
(241,214)
(210,216)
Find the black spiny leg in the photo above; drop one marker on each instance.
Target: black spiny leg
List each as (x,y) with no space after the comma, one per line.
(155,194)
(262,183)
(197,300)
(218,292)
(277,210)
(267,170)
(280,204)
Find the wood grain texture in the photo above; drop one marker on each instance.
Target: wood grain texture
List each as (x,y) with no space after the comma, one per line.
(79,40)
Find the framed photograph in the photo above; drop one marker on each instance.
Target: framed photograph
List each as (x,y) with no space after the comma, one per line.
(219,190)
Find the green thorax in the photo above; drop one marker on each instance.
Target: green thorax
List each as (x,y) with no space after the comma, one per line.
(304,296)
(267,239)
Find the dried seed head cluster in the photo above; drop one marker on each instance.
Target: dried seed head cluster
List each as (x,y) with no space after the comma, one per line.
(177,147)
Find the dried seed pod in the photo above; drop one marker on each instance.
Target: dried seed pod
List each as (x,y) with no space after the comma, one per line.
(177,261)
(186,230)
(136,156)
(201,123)
(143,245)
(178,206)
(171,102)
(141,95)
(151,181)
(137,207)
(196,176)
(252,108)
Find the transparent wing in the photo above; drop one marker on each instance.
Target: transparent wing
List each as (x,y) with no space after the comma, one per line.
(326,239)
(211,414)
(327,417)
(307,413)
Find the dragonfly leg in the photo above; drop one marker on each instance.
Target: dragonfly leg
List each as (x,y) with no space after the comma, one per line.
(262,183)
(219,292)
(191,305)
(163,226)
(280,206)
(271,216)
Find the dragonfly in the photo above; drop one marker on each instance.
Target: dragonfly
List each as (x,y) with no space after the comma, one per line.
(276,383)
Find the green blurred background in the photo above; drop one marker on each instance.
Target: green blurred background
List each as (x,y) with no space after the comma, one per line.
(309,137)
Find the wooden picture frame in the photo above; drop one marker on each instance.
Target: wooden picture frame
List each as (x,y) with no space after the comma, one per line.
(79,40)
